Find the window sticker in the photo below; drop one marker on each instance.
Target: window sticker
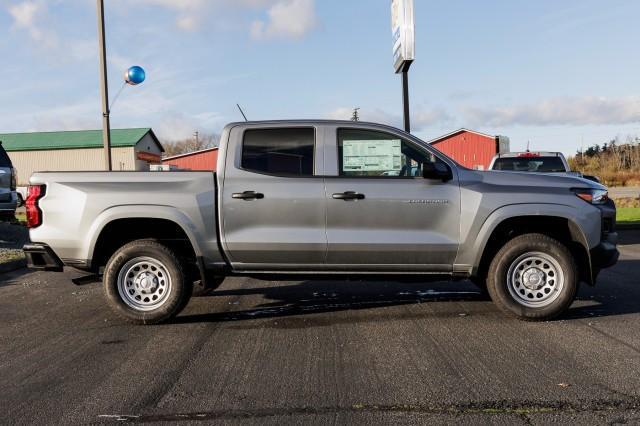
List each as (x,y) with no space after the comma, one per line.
(371,155)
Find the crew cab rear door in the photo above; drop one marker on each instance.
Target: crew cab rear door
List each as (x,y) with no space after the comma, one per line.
(272,200)
(382,215)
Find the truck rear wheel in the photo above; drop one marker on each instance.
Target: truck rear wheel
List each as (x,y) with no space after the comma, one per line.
(145,283)
(533,277)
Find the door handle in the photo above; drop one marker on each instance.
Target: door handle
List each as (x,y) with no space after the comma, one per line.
(349,195)
(247,195)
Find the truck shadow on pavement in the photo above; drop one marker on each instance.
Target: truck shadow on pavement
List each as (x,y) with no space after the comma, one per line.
(314,297)
(616,294)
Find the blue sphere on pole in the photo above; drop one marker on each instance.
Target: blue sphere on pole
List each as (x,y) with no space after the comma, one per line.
(134,75)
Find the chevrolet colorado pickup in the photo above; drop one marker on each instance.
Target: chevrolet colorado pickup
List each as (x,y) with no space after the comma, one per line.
(344,200)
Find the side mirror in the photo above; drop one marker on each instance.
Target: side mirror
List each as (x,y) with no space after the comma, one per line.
(436,171)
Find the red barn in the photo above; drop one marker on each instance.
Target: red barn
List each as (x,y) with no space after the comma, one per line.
(205,160)
(472,149)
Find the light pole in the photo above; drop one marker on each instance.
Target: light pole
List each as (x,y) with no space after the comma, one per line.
(133,76)
(104,89)
(404,50)
(405,96)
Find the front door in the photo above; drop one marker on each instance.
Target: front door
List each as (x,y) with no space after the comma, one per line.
(273,206)
(381,213)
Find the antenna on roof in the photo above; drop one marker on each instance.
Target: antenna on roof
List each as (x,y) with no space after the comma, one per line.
(528,143)
(242,112)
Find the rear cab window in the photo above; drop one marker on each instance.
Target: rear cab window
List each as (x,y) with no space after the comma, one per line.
(530,164)
(288,152)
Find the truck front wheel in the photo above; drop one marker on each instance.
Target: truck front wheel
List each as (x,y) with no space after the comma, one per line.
(533,277)
(145,283)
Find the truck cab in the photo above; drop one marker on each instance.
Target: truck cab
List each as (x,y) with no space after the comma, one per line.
(335,197)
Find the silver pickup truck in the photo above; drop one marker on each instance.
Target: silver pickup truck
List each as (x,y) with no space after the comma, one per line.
(343,200)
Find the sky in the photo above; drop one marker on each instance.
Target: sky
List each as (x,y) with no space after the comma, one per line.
(556,75)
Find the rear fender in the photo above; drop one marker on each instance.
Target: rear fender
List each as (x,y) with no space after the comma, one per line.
(142,212)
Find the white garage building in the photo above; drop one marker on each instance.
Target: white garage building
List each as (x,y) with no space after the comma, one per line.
(132,149)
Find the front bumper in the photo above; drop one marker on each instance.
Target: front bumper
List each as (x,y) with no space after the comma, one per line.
(605,254)
(41,256)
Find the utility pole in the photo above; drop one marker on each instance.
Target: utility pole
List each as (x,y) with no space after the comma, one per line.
(104,90)
(355,116)
(196,134)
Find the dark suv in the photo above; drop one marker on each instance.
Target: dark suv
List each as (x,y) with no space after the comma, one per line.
(8,196)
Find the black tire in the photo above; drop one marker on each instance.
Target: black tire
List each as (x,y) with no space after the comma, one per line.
(517,252)
(175,298)
(213,282)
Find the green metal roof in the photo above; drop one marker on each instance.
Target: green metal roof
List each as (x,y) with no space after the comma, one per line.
(72,140)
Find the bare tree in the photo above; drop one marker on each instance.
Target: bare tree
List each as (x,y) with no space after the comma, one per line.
(198,142)
(617,162)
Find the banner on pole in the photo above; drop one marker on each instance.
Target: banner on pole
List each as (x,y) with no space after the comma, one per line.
(403,32)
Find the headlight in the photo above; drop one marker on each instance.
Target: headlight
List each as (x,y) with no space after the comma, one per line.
(593,196)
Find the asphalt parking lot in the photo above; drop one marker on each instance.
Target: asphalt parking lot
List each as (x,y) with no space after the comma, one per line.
(318,352)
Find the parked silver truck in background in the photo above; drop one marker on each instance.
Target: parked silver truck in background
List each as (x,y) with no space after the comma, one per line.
(536,162)
(344,200)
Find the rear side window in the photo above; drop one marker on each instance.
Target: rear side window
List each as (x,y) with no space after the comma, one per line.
(4,158)
(284,152)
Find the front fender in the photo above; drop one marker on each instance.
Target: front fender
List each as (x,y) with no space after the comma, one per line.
(584,225)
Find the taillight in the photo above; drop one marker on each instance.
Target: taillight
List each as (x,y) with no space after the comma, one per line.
(34,214)
(14,174)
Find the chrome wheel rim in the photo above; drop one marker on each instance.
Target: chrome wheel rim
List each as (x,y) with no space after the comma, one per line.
(144,284)
(535,280)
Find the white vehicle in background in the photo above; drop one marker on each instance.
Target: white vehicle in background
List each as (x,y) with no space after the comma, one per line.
(536,162)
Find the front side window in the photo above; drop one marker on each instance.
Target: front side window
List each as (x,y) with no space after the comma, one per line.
(366,153)
(287,152)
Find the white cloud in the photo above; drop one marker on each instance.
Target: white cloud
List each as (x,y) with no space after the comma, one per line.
(421,118)
(287,19)
(588,110)
(28,16)
(191,13)
(177,126)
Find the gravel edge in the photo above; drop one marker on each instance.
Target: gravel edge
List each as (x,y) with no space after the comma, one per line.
(12,265)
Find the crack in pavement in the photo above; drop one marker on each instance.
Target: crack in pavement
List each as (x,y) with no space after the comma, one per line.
(522,408)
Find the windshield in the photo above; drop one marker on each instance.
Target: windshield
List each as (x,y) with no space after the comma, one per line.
(530,164)
(4,158)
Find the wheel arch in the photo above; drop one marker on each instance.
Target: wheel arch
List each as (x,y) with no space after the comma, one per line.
(129,223)
(558,223)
